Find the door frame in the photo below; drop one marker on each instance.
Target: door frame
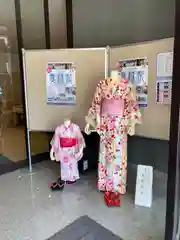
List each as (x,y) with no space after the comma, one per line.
(173,160)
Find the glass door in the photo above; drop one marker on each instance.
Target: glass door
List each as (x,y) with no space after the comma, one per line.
(12,142)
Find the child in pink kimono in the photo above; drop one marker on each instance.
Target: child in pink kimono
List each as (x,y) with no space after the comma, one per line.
(67,145)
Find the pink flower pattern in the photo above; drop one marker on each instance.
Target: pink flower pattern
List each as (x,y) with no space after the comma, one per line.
(113,129)
(68,156)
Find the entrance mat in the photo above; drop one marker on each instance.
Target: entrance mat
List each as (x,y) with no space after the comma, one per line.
(84,228)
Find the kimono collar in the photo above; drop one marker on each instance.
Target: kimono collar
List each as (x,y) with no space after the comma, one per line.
(67,123)
(67,127)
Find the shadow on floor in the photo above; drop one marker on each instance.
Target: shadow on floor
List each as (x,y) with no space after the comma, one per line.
(7,165)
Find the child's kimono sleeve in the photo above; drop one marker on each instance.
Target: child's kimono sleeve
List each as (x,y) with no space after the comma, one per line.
(132,112)
(81,144)
(55,141)
(93,116)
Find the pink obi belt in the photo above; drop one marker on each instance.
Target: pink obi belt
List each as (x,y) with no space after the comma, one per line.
(68,142)
(112,107)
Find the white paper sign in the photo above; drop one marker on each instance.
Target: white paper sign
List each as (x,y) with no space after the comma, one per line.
(164,64)
(144,182)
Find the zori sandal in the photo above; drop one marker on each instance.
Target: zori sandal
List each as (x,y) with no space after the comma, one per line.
(59,185)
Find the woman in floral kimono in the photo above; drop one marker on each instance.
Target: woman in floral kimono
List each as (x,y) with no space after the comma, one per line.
(113,114)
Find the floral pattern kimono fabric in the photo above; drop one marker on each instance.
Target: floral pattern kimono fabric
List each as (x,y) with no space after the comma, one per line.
(114,114)
(68,144)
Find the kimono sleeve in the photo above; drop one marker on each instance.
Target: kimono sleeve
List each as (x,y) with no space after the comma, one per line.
(81,143)
(132,112)
(55,141)
(93,116)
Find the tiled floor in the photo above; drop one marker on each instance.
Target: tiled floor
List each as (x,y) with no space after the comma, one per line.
(29,211)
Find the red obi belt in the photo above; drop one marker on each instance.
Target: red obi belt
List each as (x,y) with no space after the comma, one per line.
(68,142)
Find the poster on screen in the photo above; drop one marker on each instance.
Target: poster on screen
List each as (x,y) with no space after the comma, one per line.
(136,71)
(61,83)
(164,78)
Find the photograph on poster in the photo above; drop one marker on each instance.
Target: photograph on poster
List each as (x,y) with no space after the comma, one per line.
(163,91)
(61,83)
(136,71)
(164,78)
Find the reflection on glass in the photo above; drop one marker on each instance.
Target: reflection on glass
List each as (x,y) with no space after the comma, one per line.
(12,141)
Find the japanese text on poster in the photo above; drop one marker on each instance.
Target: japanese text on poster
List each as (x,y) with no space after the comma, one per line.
(61,83)
(136,71)
(164,78)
